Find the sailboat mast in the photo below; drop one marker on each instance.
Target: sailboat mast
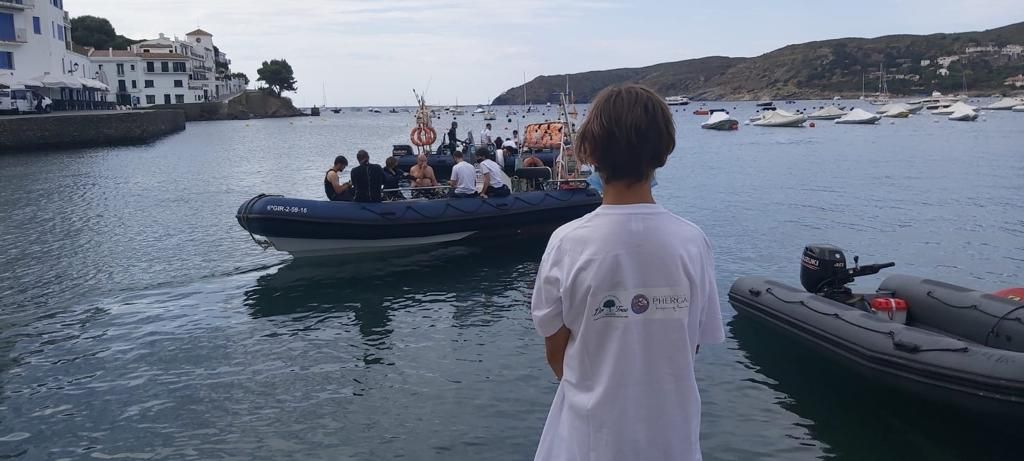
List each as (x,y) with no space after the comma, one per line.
(524,88)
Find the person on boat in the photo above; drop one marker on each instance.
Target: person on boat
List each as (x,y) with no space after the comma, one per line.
(485,136)
(515,137)
(463,182)
(335,190)
(498,142)
(453,139)
(494,185)
(422,175)
(367,179)
(624,298)
(393,177)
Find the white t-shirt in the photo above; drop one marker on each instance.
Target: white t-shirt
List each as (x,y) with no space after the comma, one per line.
(509,143)
(490,168)
(464,178)
(485,137)
(635,285)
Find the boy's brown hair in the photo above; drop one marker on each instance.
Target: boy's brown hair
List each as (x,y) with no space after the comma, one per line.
(627,135)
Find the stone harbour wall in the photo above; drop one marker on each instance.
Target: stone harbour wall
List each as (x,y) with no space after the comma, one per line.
(71,130)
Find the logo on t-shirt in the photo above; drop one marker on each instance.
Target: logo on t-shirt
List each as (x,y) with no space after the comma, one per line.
(640,304)
(610,307)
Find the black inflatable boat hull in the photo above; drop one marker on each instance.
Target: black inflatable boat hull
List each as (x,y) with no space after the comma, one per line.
(926,363)
(313,227)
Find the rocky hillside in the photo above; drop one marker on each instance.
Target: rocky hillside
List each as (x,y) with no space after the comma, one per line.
(815,70)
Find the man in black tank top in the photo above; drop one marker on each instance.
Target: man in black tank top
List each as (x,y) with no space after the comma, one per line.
(367,179)
(335,190)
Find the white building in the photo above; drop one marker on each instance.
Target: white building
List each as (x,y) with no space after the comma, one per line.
(982,49)
(1016,82)
(945,61)
(926,62)
(1014,51)
(943,72)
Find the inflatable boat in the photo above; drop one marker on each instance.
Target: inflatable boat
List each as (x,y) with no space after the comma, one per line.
(940,341)
(313,227)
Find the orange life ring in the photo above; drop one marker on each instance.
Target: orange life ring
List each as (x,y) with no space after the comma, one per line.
(423,136)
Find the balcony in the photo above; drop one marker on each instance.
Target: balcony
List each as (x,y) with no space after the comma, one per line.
(16,4)
(20,36)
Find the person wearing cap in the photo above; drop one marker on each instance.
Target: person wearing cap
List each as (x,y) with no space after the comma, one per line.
(335,190)
(494,185)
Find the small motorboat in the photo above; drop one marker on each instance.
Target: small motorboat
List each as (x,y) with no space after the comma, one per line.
(896,112)
(721,121)
(958,106)
(1006,104)
(392,110)
(943,342)
(964,115)
(373,110)
(677,100)
(490,115)
(828,113)
(1018,108)
(897,107)
(858,117)
(764,104)
(479,110)
(780,118)
(702,111)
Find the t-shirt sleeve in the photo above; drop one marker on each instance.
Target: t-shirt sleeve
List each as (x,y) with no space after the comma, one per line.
(711,328)
(546,306)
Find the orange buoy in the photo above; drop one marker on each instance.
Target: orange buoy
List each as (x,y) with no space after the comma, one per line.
(423,136)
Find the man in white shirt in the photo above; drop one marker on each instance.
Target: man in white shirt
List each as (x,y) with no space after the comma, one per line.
(463,182)
(510,142)
(624,298)
(494,184)
(485,136)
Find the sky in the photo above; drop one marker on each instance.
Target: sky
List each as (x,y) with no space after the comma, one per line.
(374,52)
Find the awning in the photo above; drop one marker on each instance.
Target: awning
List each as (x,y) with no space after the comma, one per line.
(30,83)
(93,84)
(57,81)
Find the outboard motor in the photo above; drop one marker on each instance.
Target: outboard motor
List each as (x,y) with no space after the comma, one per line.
(823,271)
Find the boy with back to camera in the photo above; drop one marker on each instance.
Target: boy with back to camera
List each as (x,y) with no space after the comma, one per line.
(624,298)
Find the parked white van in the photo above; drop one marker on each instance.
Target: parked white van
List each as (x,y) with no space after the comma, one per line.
(21,100)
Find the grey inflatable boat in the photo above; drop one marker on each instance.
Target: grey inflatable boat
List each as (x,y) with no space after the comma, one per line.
(937,340)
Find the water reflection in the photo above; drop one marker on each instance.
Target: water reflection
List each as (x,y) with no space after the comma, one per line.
(851,414)
(479,285)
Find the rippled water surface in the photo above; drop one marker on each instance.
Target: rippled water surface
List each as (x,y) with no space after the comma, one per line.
(138,321)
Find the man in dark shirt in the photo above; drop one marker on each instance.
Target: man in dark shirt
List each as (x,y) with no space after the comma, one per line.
(367,179)
(452,138)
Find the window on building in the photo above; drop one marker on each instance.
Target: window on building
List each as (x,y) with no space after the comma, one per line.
(135,84)
(150,99)
(60,33)
(179,67)
(120,69)
(145,50)
(148,84)
(178,84)
(53,28)
(165,67)
(150,66)
(6,60)
(37,27)
(121,86)
(167,99)
(179,99)
(131,67)
(7,27)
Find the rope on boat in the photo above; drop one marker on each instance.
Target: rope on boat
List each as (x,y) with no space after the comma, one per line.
(912,348)
(246,208)
(992,332)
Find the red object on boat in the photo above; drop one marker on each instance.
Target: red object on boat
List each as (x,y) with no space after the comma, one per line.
(1016,294)
(812,125)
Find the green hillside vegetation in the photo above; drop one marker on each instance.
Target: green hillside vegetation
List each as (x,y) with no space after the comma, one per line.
(811,70)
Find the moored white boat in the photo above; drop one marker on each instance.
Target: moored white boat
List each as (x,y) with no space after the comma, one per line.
(1006,104)
(780,118)
(964,115)
(859,117)
(1018,108)
(959,106)
(720,121)
(896,112)
(901,106)
(677,100)
(828,113)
